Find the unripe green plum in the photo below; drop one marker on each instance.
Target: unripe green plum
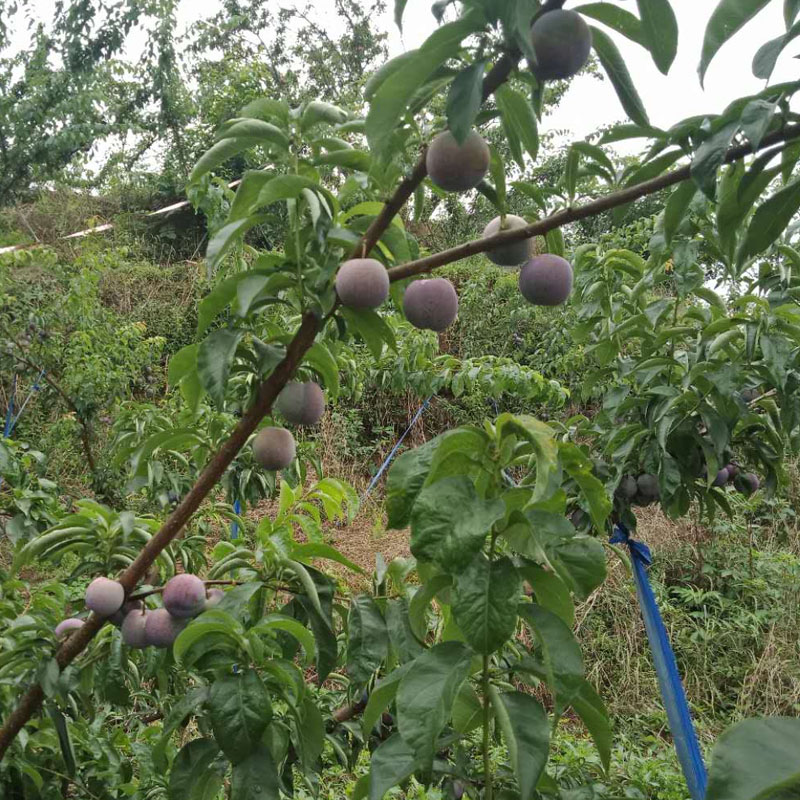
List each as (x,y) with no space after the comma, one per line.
(747,483)
(562,41)
(184,595)
(134,629)
(161,629)
(457,167)
(627,488)
(214,598)
(514,253)
(131,605)
(104,596)
(546,280)
(431,304)
(274,448)
(66,626)
(362,283)
(301,403)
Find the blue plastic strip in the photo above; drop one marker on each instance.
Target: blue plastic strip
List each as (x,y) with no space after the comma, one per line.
(237,509)
(31,393)
(10,411)
(669,679)
(391,455)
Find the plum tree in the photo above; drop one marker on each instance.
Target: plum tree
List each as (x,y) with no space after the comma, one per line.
(66,626)
(362,283)
(184,595)
(457,167)
(301,403)
(214,597)
(104,596)
(513,254)
(546,280)
(118,617)
(431,304)
(562,41)
(274,448)
(134,629)
(161,628)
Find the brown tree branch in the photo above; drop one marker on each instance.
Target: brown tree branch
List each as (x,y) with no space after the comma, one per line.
(605,203)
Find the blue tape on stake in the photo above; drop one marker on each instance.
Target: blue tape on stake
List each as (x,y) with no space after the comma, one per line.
(10,411)
(669,679)
(237,509)
(35,388)
(389,458)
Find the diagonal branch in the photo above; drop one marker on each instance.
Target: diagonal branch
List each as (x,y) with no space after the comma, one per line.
(567,215)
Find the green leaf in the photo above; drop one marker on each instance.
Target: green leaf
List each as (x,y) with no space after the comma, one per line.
(227,236)
(710,156)
(319,358)
(418,607)
(756,760)
(771,219)
(562,655)
(660,29)
(394,93)
(285,187)
(399,8)
(405,480)
(589,706)
(484,602)
(214,358)
(317,112)
(676,208)
(614,65)
(728,17)
(279,622)
(526,732)
(240,710)
(391,764)
(189,703)
(380,698)
(250,128)
(579,468)
(755,120)
(616,18)
(368,640)
(464,99)
(196,772)
(550,591)
(426,695)
(182,363)
(449,522)
(401,635)
(372,328)
(517,112)
(255,778)
(310,733)
(220,152)
(348,159)
(580,562)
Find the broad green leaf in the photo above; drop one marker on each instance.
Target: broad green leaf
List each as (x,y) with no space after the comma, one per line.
(255,777)
(579,468)
(401,635)
(405,480)
(614,66)
(190,702)
(317,111)
(265,132)
(367,641)
(467,709)
(464,99)
(550,591)
(710,156)
(449,522)
(756,759)
(526,732)
(517,112)
(418,608)
(372,328)
(348,159)
(227,236)
(771,219)
(284,187)
(618,19)
(381,697)
(182,363)
(676,208)
(385,71)
(660,30)
(240,710)
(310,729)
(320,359)
(484,602)
(214,358)
(391,764)
(561,654)
(728,17)
(425,697)
(589,706)
(197,772)
(220,152)
(580,562)
(399,8)
(393,95)
(755,120)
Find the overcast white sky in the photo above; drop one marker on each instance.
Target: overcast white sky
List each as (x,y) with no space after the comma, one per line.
(590,103)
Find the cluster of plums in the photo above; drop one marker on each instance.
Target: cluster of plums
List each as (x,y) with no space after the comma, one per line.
(184,596)
(561,41)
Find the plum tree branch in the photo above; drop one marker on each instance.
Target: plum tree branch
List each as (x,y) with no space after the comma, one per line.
(605,203)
